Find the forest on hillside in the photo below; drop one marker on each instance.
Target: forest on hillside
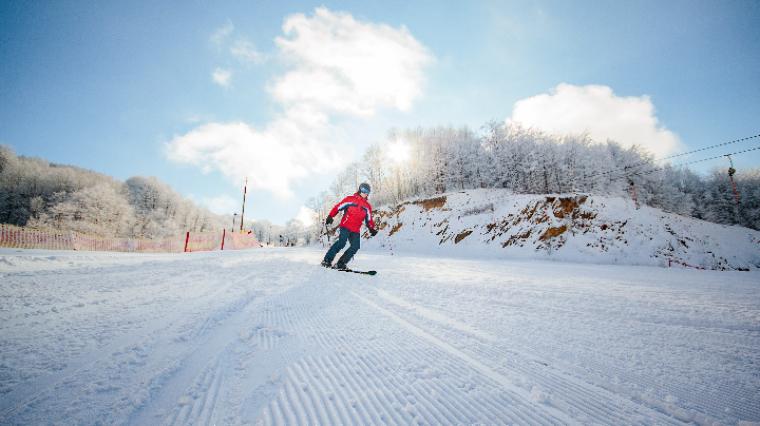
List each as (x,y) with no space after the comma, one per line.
(37,193)
(528,161)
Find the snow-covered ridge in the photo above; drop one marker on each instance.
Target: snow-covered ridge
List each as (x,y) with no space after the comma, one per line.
(569,227)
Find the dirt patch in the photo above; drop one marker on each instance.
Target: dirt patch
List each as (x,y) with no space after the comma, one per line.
(528,212)
(566,206)
(515,239)
(432,203)
(553,232)
(541,218)
(462,235)
(544,220)
(396,211)
(383,216)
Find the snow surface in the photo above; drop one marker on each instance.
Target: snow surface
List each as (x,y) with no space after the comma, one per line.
(267,336)
(497,223)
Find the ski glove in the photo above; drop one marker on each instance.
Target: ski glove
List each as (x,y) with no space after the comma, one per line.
(373,231)
(329,220)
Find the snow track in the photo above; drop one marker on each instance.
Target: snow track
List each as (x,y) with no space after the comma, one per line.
(582,399)
(267,337)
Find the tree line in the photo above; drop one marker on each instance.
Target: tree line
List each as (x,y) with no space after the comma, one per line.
(37,193)
(528,161)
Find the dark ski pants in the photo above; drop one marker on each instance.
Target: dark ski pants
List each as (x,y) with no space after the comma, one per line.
(345,235)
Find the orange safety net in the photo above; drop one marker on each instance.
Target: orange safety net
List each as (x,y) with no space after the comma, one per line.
(30,238)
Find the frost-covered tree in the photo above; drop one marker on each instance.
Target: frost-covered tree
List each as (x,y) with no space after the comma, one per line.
(100,209)
(38,193)
(749,186)
(526,160)
(266,232)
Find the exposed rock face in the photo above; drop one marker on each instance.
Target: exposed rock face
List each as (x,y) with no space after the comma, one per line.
(572,227)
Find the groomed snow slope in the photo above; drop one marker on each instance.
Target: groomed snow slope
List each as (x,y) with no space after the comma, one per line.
(568,227)
(267,336)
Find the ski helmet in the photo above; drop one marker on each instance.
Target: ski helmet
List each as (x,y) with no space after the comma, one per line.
(364,188)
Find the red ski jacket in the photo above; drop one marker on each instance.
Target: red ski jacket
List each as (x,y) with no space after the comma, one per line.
(355,211)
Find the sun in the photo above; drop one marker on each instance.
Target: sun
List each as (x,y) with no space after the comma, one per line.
(399,151)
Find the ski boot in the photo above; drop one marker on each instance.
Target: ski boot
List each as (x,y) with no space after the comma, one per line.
(326,264)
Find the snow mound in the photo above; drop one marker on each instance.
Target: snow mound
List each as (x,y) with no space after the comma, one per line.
(567,227)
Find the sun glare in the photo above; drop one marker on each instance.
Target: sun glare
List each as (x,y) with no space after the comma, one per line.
(399,151)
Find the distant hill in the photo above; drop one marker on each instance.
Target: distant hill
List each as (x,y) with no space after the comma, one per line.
(570,227)
(35,192)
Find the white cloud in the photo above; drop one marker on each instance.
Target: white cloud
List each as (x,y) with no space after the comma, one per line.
(338,65)
(289,149)
(306,216)
(595,109)
(222,33)
(348,66)
(245,51)
(222,77)
(222,204)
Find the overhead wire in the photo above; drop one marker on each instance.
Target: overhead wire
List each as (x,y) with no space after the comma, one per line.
(660,168)
(644,163)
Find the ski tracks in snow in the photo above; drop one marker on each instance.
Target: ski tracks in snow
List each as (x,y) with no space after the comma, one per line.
(129,347)
(383,366)
(270,338)
(363,369)
(525,375)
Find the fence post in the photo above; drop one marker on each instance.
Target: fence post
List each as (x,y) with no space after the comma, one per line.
(187,239)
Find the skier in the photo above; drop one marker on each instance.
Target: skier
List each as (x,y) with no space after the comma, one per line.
(356,209)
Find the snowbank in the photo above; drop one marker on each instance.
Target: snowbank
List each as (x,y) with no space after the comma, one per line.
(567,227)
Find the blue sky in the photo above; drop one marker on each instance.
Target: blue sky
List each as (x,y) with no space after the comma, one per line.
(128,88)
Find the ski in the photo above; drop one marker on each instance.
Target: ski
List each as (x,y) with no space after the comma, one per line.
(355,271)
(358,272)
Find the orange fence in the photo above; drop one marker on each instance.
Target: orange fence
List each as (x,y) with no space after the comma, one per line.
(239,241)
(28,238)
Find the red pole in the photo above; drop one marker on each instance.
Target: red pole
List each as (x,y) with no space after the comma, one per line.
(224,234)
(242,212)
(731,171)
(736,192)
(187,239)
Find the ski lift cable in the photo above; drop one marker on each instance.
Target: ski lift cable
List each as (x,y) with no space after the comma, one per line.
(643,163)
(711,147)
(656,169)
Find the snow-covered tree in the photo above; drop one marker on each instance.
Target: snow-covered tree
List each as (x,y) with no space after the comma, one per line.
(38,193)
(526,160)
(100,209)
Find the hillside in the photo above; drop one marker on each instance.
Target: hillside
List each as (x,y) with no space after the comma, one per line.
(569,227)
(40,194)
